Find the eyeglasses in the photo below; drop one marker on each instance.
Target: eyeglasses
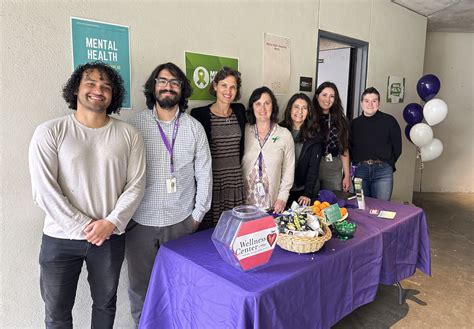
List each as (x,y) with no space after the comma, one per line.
(162,82)
(299,108)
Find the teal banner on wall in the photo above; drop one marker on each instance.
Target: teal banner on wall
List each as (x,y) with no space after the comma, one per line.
(99,41)
(201,69)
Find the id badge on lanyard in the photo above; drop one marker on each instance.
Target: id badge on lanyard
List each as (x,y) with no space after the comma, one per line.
(261,189)
(170,182)
(171,185)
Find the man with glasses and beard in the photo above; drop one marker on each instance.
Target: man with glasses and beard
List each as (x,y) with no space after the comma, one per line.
(178,172)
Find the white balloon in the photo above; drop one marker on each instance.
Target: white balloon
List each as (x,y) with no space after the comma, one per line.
(435,111)
(432,150)
(421,134)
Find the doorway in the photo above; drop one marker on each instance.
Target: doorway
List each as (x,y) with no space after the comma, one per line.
(343,60)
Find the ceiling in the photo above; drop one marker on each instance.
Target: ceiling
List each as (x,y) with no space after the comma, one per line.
(443,15)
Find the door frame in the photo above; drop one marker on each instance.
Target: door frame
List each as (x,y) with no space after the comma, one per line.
(357,69)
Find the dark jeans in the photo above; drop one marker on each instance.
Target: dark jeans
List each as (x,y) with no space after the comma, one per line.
(61,263)
(377,180)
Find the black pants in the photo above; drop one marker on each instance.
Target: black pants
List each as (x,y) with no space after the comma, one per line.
(61,263)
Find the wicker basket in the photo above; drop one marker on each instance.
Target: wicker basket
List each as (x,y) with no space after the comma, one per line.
(303,245)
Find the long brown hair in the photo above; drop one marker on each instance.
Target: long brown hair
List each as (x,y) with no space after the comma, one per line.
(337,114)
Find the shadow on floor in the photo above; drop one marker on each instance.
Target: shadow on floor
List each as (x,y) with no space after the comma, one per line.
(384,312)
(445,299)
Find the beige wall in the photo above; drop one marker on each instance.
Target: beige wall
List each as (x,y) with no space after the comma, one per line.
(346,17)
(450,57)
(397,48)
(36,62)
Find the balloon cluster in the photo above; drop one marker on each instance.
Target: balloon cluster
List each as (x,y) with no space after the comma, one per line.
(434,111)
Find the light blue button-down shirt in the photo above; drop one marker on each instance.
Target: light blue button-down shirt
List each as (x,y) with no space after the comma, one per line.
(192,170)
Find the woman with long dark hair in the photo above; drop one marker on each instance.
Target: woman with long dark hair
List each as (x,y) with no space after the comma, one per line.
(299,120)
(333,127)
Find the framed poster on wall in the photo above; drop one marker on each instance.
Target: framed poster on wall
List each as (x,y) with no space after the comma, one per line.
(105,42)
(276,63)
(395,89)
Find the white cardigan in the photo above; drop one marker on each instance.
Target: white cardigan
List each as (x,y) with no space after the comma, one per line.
(279,160)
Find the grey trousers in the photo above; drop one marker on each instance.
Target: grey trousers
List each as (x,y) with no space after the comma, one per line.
(142,244)
(330,175)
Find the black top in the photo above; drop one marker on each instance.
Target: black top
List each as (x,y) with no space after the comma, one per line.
(375,138)
(307,169)
(203,115)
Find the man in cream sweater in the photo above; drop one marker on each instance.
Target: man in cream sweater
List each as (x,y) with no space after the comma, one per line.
(88,175)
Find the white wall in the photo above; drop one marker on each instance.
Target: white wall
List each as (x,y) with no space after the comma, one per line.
(36,62)
(450,56)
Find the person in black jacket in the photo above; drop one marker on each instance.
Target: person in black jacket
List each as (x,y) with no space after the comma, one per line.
(224,123)
(299,118)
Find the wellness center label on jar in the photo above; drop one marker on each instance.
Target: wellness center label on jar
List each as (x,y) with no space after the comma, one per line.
(254,242)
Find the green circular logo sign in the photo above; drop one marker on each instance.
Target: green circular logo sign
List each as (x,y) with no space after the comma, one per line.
(201,77)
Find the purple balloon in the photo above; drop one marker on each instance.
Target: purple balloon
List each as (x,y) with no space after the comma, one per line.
(428,86)
(407,132)
(413,113)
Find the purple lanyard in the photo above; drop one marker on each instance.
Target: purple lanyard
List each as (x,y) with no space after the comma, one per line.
(260,155)
(169,147)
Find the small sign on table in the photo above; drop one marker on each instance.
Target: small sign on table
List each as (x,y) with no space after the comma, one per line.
(332,213)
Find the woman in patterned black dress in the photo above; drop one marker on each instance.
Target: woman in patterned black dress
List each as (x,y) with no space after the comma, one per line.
(224,123)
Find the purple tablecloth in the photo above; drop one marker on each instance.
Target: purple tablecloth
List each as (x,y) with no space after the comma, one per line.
(406,242)
(192,287)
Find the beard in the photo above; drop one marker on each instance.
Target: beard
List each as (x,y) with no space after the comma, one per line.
(167,102)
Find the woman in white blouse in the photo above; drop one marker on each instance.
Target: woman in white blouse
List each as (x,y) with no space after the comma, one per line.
(268,164)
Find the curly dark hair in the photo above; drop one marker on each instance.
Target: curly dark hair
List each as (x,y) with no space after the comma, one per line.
(149,87)
(256,94)
(72,86)
(337,113)
(308,128)
(221,75)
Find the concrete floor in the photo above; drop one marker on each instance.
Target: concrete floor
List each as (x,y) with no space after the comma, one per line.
(445,300)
